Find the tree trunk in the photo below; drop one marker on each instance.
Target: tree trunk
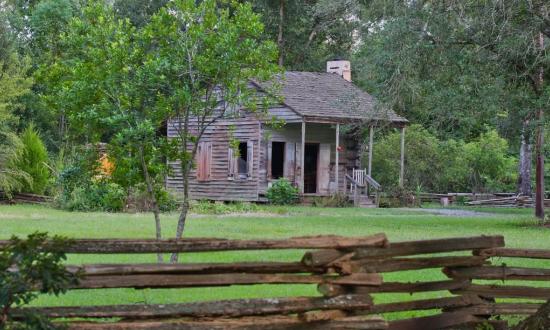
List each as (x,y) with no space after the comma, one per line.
(152,198)
(280,39)
(524,168)
(539,145)
(184,207)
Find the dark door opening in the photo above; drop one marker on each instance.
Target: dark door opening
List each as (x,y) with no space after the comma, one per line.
(277,159)
(311,156)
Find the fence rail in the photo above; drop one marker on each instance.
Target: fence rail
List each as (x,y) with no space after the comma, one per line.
(347,271)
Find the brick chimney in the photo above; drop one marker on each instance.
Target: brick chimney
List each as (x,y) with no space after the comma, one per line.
(341,67)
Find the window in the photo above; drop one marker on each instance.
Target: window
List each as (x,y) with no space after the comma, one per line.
(204,161)
(240,161)
(242,165)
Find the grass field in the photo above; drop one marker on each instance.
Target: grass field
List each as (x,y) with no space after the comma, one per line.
(518,227)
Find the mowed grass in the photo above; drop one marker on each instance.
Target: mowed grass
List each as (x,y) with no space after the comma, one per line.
(518,227)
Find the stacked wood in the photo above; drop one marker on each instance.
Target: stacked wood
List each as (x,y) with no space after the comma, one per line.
(345,270)
(24,198)
(513,201)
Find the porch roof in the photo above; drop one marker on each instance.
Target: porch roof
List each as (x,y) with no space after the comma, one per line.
(328,97)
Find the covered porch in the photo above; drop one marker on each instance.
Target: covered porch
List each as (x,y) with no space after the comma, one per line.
(322,158)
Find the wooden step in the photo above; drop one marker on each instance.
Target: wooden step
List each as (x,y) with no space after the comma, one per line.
(364,201)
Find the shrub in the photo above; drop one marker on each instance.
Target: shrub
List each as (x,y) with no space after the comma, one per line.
(210,207)
(11,177)
(282,192)
(335,200)
(490,167)
(34,161)
(442,166)
(23,265)
(138,200)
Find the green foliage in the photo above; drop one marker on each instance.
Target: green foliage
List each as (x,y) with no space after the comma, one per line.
(282,192)
(79,192)
(443,166)
(28,268)
(33,160)
(209,207)
(138,199)
(13,85)
(489,165)
(334,200)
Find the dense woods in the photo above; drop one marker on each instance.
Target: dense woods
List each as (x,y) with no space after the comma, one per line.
(74,73)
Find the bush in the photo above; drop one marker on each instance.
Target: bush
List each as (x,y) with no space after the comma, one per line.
(282,192)
(34,161)
(23,264)
(210,207)
(335,200)
(138,200)
(481,165)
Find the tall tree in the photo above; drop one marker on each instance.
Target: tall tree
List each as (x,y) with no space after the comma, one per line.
(448,58)
(108,81)
(310,32)
(209,53)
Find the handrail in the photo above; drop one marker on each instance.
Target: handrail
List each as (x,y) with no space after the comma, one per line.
(373,182)
(368,178)
(355,182)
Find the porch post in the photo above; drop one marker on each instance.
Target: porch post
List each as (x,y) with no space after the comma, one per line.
(302,155)
(402,162)
(337,156)
(371,138)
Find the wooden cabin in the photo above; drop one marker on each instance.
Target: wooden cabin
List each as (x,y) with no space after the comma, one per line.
(313,149)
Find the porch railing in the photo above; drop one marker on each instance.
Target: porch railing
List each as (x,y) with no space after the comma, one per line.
(359,184)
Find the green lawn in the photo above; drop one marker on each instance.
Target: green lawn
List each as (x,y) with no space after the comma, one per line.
(517,226)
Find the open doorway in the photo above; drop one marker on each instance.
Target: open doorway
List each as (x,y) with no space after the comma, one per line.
(311,157)
(277,159)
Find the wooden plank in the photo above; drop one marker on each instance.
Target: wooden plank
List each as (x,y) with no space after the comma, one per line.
(108,246)
(401,264)
(211,280)
(331,289)
(325,257)
(497,291)
(498,273)
(193,268)
(502,309)
(248,323)
(426,304)
(223,308)
(432,246)
(323,168)
(514,253)
(440,321)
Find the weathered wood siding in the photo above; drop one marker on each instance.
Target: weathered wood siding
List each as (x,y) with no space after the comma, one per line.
(315,133)
(219,186)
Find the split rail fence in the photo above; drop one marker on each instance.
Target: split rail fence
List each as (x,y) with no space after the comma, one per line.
(346,270)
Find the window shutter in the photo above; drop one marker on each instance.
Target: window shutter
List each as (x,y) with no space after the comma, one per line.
(208,161)
(200,161)
(269,159)
(231,163)
(250,158)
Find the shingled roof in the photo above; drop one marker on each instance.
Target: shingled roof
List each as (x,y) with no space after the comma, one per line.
(328,95)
